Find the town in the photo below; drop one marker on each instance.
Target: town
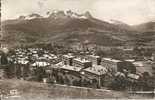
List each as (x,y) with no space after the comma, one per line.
(77,49)
(84,67)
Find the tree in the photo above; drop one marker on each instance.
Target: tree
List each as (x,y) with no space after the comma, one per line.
(40,73)
(119,82)
(4,60)
(147,81)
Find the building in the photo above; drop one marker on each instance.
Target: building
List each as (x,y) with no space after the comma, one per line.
(96,60)
(68,60)
(71,68)
(70,74)
(114,65)
(110,64)
(142,66)
(76,46)
(96,72)
(82,63)
(133,79)
(153,56)
(2,73)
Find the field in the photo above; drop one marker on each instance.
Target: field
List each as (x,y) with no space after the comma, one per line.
(40,91)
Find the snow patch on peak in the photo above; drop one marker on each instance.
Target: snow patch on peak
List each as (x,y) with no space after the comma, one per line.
(116,22)
(56,14)
(29,17)
(68,14)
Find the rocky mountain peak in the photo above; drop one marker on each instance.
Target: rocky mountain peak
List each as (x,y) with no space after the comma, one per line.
(87,14)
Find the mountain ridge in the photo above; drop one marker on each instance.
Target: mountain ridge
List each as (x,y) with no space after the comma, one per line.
(66,26)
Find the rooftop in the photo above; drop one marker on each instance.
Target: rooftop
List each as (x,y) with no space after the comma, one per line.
(133,76)
(97,69)
(94,56)
(81,60)
(138,63)
(40,63)
(73,68)
(130,60)
(112,60)
(69,56)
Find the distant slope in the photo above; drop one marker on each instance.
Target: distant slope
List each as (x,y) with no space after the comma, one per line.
(145,38)
(145,27)
(146,34)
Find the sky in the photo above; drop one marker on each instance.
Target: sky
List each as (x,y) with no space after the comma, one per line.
(128,11)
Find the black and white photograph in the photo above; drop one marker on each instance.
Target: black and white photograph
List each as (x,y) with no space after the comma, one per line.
(77,49)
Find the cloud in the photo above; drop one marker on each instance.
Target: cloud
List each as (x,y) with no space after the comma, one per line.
(129,11)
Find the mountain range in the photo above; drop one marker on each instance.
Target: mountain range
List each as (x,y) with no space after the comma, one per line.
(70,27)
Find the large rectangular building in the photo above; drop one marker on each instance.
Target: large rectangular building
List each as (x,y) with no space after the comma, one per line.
(110,64)
(96,60)
(95,71)
(113,65)
(142,67)
(68,59)
(82,63)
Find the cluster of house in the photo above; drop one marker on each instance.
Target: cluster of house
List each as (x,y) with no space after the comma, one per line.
(33,57)
(28,59)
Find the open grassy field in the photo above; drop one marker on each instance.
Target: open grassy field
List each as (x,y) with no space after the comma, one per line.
(40,91)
